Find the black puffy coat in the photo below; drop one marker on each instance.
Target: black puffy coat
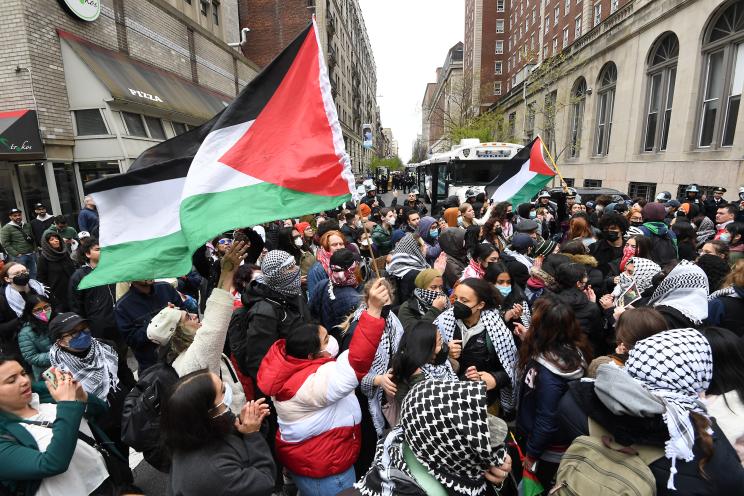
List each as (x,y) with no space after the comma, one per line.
(95,304)
(589,316)
(724,472)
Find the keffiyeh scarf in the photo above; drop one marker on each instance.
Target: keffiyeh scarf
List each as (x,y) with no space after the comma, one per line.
(686,290)
(503,344)
(521,258)
(473,269)
(407,256)
(448,430)
(15,298)
(324,257)
(643,271)
(388,346)
(675,366)
(280,273)
(729,291)
(341,277)
(425,299)
(96,371)
(705,231)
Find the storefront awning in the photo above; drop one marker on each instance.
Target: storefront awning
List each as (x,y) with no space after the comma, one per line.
(19,136)
(133,81)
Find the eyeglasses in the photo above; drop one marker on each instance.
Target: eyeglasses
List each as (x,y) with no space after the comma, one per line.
(225,241)
(43,309)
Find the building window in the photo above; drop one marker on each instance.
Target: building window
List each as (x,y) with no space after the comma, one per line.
(545,51)
(216,12)
(529,130)
(724,77)
(512,125)
(155,127)
(614,4)
(597,13)
(605,104)
(188,2)
(500,5)
(557,14)
(578,100)
(577,29)
(662,71)
(499,47)
(565,37)
(497,88)
(592,183)
(204,6)
(498,69)
(547,23)
(89,122)
(179,127)
(569,181)
(642,190)
(567,7)
(134,124)
(534,16)
(555,45)
(500,26)
(526,24)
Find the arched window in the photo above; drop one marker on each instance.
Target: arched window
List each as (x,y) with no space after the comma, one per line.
(605,103)
(662,71)
(578,99)
(723,50)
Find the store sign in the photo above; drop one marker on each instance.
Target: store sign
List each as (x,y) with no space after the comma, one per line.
(146,96)
(86,10)
(19,136)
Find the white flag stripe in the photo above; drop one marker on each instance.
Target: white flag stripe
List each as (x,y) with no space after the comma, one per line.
(138,213)
(207,174)
(514,183)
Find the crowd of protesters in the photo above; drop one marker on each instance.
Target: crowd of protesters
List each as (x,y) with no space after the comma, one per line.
(374,350)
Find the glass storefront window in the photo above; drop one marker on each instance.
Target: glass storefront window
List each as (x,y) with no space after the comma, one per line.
(7,197)
(94,170)
(69,199)
(34,187)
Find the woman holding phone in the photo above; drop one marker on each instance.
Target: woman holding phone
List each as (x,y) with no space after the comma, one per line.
(42,450)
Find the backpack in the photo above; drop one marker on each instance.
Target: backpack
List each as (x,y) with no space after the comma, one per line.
(663,248)
(140,419)
(599,466)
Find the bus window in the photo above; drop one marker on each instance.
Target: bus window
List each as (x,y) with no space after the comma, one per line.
(476,173)
(442,182)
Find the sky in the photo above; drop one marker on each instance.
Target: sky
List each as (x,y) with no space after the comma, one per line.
(410,39)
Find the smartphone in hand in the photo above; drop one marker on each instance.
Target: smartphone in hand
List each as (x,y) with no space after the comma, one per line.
(50,376)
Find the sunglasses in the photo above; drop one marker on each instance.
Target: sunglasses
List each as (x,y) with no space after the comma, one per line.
(225,241)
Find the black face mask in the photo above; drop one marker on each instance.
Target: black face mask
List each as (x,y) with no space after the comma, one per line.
(612,235)
(636,223)
(21,279)
(497,231)
(461,310)
(441,357)
(510,215)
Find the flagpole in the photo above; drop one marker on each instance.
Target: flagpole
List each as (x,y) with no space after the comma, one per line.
(552,161)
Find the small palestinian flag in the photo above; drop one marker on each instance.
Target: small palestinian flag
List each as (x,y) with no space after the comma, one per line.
(275,152)
(522,177)
(529,485)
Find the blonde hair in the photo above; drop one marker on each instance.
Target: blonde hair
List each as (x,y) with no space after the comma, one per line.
(736,276)
(344,326)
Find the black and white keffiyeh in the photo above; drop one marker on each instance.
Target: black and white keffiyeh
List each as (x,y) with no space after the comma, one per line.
(686,290)
(280,273)
(425,298)
(729,291)
(388,346)
(643,272)
(676,366)
(521,258)
(96,371)
(447,428)
(15,299)
(503,345)
(407,256)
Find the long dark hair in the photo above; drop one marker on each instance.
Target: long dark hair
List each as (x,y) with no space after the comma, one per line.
(493,272)
(728,357)
(415,349)
(285,242)
(32,299)
(186,422)
(555,331)
(481,251)
(485,292)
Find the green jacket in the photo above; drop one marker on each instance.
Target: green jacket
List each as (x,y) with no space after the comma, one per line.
(13,240)
(66,233)
(22,465)
(35,349)
(383,240)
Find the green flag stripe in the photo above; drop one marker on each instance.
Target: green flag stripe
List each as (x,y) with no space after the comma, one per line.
(207,215)
(530,189)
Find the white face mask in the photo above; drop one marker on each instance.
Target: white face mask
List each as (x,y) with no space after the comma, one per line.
(298,242)
(332,347)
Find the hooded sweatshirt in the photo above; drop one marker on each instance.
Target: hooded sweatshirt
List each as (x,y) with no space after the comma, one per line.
(452,241)
(318,414)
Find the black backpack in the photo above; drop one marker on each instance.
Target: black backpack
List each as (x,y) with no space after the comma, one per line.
(663,248)
(140,422)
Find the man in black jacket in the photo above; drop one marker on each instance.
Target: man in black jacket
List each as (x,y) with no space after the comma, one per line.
(41,222)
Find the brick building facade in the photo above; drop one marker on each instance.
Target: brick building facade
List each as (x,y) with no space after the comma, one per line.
(171,53)
(351,64)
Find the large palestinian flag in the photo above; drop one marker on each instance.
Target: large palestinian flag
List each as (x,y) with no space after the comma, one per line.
(522,177)
(275,152)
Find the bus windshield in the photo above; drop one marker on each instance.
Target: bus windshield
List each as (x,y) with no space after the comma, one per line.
(474,173)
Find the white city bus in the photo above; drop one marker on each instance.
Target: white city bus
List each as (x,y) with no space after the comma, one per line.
(469,165)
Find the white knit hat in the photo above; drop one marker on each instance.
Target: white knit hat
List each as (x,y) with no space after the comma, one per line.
(163,325)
